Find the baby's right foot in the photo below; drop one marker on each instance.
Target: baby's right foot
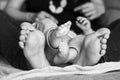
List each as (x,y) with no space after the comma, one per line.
(57,35)
(84,25)
(32,41)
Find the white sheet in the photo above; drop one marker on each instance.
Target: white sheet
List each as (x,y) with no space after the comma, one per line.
(73,69)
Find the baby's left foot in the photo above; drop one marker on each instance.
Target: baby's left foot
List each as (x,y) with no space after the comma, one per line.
(84,25)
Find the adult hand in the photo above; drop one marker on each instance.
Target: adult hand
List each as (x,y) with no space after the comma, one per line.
(91,10)
(43,14)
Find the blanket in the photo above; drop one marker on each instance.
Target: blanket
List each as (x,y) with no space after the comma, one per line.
(70,71)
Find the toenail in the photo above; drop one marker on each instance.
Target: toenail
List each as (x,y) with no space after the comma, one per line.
(106,36)
(104,41)
(102,52)
(21,44)
(23,27)
(22,37)
(22,32)
(104,47)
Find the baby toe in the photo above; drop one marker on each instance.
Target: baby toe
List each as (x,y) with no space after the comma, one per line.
(103,31)
(102,52)
(22,32)
(106,36)
(103,46)
(24,25)
(21,44)
(27,26)
(103,41)
(22,38)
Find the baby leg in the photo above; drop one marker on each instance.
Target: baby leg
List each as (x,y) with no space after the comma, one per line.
(93,47)
(84,25)
(32,42)
(63,52)
(60,39)
(56,37)
(75,47)
(77,41)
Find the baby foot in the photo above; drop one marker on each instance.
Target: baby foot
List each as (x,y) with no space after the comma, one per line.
(84,25)
(26,29)
(32,42)
(93,48)
(58,34)
(63,53)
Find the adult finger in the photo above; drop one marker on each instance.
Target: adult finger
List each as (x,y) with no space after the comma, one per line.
(90,13)
(85,7)
(78,8)
(89,9)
